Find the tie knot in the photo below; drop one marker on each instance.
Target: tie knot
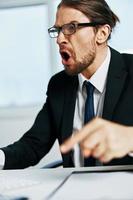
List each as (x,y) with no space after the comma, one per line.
(89,88)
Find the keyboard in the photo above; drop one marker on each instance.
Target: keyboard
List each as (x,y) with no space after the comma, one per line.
(15,183)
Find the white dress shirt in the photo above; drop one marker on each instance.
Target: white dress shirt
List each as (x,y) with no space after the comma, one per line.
(2,159)
(98,80)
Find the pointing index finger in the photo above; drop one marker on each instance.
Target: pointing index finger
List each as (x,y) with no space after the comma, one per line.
(79,136)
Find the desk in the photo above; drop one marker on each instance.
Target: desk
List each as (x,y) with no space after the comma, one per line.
(38,184)
(33,183)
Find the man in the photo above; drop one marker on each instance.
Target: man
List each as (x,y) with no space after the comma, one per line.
(82,29)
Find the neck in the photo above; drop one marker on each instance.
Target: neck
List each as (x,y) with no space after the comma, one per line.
(101,54)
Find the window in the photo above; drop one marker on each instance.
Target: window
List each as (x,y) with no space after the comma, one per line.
(122,39)
(24,55)
(26,49)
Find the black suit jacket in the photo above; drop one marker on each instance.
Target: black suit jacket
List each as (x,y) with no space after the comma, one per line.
(55,120)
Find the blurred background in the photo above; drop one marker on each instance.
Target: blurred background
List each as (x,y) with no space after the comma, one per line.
(28,58)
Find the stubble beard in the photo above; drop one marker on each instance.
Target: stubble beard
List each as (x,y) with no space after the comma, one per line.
(80,66)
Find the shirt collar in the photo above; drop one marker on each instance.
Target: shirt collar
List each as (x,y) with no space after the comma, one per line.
(98,79)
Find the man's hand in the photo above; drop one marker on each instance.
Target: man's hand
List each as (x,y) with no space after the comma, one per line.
(102,139)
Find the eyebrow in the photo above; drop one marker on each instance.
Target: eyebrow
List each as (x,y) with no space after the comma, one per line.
(71,22)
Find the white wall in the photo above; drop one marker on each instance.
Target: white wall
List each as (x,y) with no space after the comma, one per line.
(122,38)
(14,122)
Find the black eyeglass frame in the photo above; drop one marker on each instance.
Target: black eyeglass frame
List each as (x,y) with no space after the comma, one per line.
(75,25)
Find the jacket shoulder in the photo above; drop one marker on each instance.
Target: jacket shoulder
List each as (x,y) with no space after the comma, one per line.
(128,60)
(60,76)
(61,79)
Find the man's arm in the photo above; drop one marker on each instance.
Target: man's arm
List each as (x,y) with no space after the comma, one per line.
(37,141)
(102,139)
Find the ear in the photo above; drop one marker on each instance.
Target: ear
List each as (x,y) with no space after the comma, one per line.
(103,33)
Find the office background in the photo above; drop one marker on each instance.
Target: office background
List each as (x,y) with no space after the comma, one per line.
(28,58)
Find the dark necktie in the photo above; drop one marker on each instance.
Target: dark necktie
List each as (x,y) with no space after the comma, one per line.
(89,114)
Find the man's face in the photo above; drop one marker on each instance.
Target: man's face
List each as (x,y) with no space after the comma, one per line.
(78,50)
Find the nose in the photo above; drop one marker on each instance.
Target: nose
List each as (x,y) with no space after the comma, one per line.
(61,38)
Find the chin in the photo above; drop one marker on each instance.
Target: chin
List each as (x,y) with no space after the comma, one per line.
(70,72)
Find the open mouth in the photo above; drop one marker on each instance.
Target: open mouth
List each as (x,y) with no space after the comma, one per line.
(65,56)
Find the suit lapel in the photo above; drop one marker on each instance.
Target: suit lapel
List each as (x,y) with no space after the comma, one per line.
(115,83)
(68,115)
(69,106)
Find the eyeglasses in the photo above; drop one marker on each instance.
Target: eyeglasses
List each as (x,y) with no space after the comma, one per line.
(69,29)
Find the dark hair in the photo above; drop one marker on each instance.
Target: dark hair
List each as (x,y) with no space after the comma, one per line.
(95,10)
